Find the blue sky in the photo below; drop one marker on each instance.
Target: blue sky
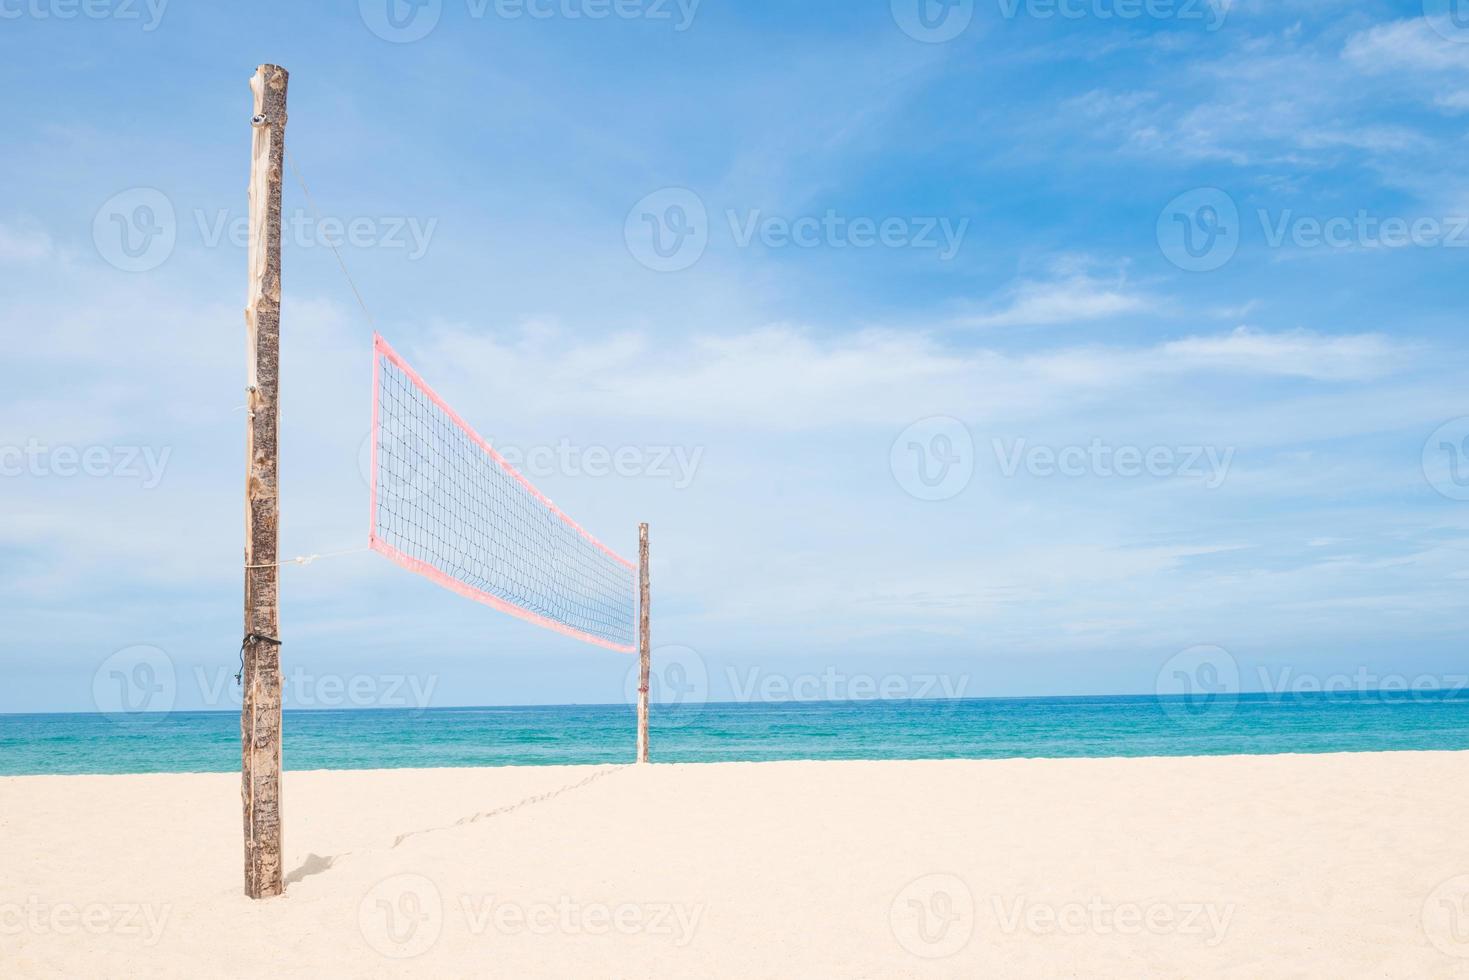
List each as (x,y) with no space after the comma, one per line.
(1018,347)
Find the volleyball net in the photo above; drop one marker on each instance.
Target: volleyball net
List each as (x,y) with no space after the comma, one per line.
(449,507)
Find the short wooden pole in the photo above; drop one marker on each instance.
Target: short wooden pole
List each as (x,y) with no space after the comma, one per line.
(644,644)
(260,712)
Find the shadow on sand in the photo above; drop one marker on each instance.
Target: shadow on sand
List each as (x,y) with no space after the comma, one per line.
(317,863)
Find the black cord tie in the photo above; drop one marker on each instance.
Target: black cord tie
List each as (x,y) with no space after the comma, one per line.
(257,637)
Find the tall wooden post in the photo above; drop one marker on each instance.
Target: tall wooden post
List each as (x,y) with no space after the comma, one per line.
(260,713)
(644,643)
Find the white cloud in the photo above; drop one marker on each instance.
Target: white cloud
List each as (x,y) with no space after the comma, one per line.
(1075,298)
(24,243)
(777,377)
(784,378)
(1411,45)
(1297,353)
(1383,139)
(1297,101)
(1453,101)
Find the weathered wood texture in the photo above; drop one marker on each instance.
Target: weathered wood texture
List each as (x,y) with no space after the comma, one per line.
(644,643)
(260,714)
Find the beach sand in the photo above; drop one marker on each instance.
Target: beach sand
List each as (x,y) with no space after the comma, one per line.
(1332,865)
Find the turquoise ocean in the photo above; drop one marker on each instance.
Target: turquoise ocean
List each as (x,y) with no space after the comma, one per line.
(749,732)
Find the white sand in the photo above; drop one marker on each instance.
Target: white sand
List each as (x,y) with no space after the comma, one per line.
(1238,867)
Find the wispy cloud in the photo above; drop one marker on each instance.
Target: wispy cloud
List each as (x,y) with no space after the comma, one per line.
(787,378)
(1296,353)
(1453,101)
(1289,99)
(1073,296)
(1412,45)
(24,243)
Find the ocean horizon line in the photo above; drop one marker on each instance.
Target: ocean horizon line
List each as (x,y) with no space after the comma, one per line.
(1349,694)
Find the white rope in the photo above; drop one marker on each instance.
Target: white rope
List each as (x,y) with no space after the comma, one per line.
(304,560)
(308,559)
(335,251)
